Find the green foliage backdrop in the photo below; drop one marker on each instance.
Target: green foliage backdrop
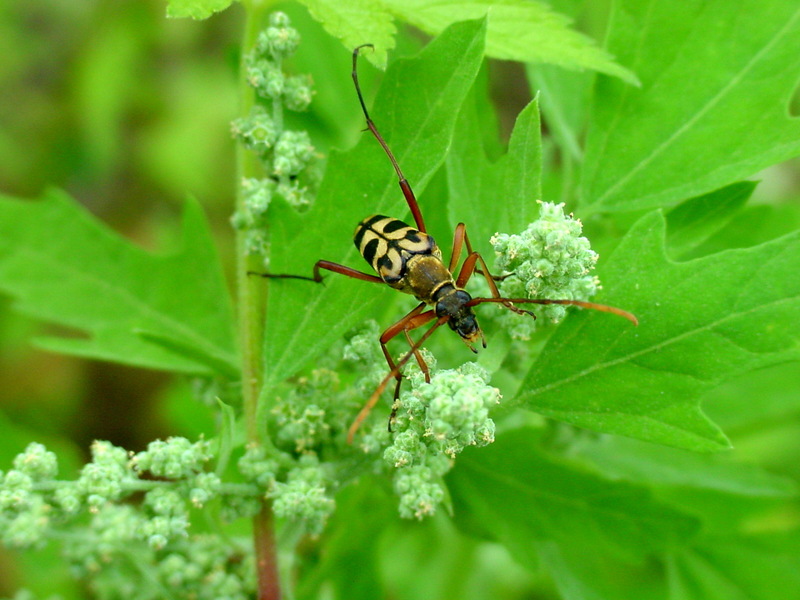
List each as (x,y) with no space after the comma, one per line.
(651,462)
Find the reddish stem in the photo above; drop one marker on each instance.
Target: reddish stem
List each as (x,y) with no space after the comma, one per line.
(266,556)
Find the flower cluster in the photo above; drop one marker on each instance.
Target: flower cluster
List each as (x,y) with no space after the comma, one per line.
(285,155)
(435,422)
(122,537)
(550,259)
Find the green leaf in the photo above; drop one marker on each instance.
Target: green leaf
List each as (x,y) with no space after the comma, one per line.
(694,221)
(751,226)
(227,435)
(357,22)
(583,573)
(522,30)
(415,111)
(352,542)
(713,106)
(753,568)
(564,98)
(64,267)
(641,462)
(521,496)
(512,184)
(195,9)
(701,322)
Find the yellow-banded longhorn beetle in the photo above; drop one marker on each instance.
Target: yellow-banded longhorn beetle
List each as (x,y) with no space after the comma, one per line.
(409,260)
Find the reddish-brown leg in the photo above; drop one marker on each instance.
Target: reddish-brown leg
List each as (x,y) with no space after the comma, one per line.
(373,399)
(408,323)
(328,266)
(460,239)
(394,330)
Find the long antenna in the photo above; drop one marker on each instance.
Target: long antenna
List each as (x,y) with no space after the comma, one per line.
(592,305)
(407,191)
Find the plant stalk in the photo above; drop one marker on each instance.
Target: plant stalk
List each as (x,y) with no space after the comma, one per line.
(251,299)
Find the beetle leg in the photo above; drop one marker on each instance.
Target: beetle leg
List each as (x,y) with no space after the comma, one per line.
(408,323)
(421,319)
(328,266)
(460,239)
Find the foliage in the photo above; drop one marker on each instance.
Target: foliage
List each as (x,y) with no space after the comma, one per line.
(594,460)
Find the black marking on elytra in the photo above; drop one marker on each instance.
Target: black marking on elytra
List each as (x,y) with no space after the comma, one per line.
(370,249)
(394,225)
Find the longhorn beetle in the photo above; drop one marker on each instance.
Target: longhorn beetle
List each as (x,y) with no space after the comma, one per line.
(409,260)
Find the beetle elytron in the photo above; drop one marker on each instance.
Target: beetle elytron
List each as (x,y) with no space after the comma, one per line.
(408,259)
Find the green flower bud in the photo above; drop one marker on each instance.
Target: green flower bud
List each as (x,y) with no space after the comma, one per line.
(419,494)
(29,526)
(256,131)
(293,151)
(68,498)
(303,497)
(256,468)
(204,487)
(174,458)
(279,40)
(37,462)
(550,259)
(297,93)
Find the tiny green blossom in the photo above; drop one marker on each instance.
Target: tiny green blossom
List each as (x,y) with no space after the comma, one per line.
(296,195)
(452,411)
(301,417)
(293,152)
(435,422)
(550,259)
(258,194)
(297,93)
(164,501)
(279,40)
(257,131)
(304,496)
(15,490)
(173,458)
(103,479)
(29,525)
(239,507)
(256,468)
(419,493)
(203,488)
(363,346)
(68,498)
(37,462)
(265,77)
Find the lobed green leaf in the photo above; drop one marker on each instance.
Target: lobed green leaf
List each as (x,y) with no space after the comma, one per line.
(717,78)
(759,567)
(521,496)
(511,185)
(195,9)
(522,30)
(163,312)
(700,323)
(357,22)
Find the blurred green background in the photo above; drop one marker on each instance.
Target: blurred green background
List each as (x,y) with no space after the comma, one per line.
(130,112)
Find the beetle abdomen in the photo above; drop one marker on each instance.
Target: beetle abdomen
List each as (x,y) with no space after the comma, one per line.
(387,244)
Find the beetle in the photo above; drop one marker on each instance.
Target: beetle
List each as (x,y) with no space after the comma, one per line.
(408,259)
